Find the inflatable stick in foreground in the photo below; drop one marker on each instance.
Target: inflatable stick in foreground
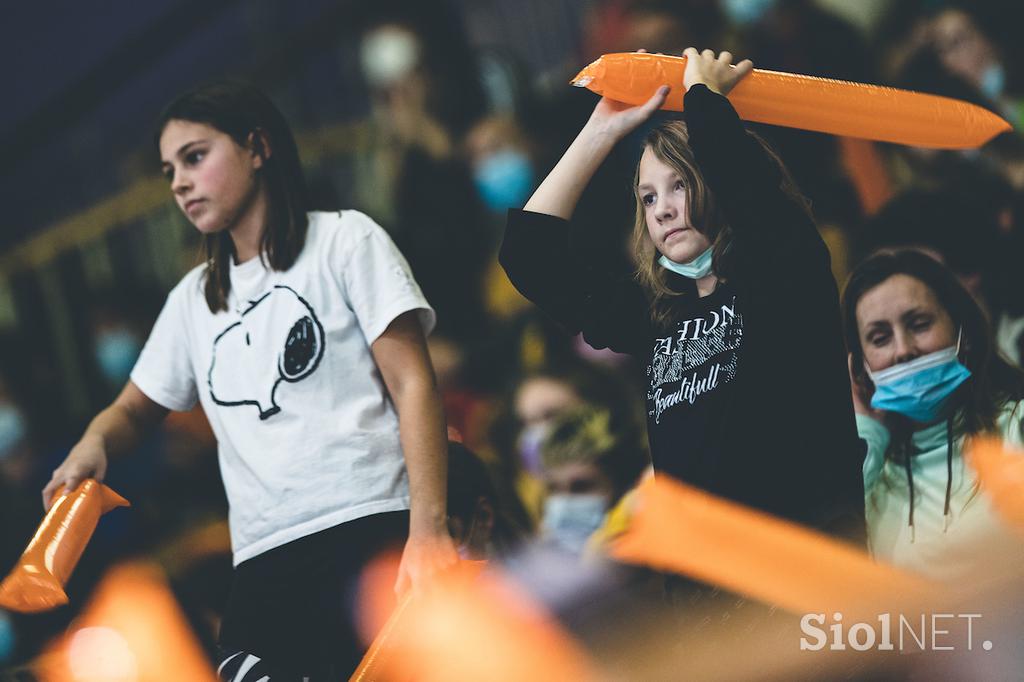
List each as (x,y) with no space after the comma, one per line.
(37,581)
(1001,474)
(686,530)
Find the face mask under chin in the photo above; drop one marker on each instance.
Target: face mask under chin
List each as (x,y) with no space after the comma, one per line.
(920,389)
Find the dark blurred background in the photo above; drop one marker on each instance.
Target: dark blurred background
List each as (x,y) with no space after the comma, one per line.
(433,117)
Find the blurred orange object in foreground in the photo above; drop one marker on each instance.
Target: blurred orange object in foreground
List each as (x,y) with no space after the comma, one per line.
(469,625)
(679,528)
(1001,474)
(131,631)
(37,581)
(825,105)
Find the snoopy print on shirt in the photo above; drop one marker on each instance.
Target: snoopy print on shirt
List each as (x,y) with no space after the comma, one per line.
(277,338)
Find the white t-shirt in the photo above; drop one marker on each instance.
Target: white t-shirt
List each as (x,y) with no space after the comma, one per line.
(307,436)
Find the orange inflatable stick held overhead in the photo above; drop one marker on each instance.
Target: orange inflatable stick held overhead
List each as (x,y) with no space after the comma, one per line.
(824,105)
(37,581)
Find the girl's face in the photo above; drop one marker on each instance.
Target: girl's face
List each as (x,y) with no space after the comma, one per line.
(212,177)
(665,199)
(899,320)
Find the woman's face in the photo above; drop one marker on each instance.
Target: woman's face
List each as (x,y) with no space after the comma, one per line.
(665,198)
(212,177)
(899,320)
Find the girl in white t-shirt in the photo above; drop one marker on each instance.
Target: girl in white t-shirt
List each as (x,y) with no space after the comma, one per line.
(302,335)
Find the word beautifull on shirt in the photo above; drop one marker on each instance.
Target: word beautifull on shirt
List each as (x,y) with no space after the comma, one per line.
(692,365)
(742,399)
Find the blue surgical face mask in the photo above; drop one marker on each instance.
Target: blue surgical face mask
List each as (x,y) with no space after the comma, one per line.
(695,269)
(116,353)
(993,81)
(570,520)
(504,180)
(920,389)
(744,12)
(12,429)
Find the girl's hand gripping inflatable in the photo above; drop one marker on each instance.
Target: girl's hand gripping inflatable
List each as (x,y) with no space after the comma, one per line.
(824,105)
(37,581)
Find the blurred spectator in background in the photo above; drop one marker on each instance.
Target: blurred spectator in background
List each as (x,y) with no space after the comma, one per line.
(537,400)
(1009,288)
(118,322)
(799,36)
(953,225)
(479,517)
(587,466)
(426,94)
(16,452)
(501,157)
(967,52)
(465,407)
(19,509)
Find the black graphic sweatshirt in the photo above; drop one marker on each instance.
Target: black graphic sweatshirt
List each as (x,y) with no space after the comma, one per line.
(748,394)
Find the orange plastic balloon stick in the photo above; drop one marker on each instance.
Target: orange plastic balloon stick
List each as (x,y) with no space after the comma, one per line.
(685,530)
(132,629)
(468,626)
(378,664)
(866,170)
(37,581)
(824,105)
(1001,474)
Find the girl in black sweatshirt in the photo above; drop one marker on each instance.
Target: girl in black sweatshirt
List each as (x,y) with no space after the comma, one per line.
(733,306)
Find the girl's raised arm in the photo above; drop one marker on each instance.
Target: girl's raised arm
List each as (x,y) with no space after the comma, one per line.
(610,122)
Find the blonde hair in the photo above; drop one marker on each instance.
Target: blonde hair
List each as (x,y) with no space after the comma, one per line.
(670,143)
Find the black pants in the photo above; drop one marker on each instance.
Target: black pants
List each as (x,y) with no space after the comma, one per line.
(291,610)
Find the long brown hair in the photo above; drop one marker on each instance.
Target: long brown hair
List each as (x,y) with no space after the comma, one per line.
(248,116)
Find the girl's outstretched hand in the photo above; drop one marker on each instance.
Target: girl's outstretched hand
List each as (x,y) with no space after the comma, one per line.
(718,73)
(88,459)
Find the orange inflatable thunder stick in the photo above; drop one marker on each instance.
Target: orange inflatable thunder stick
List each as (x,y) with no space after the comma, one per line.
(37,581)
(1001,474)
(824,105)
